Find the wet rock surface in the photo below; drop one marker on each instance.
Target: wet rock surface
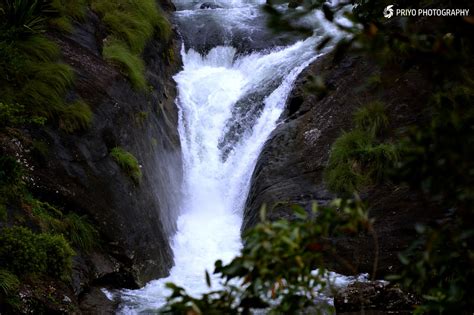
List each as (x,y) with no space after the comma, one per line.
(377,297)
(291,165)
(76,172)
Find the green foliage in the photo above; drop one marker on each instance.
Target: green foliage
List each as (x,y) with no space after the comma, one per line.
(8,282)
(128,163)
(131,64)
(67,11)
(58,255)
(31,75)
(14,115)
(357,159)
(75,228)
(80,232)
(372,118)
(23,252)
(45,88)
(21,17)
(440,265)
(281,267)
(131,24)
(20,252)
(76,116)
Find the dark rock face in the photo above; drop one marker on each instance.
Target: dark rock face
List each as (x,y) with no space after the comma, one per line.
(377,297)
(290,167)
(134,220)
(209,5)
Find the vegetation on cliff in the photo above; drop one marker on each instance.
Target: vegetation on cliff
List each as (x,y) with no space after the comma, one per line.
(128,163)
(131,25)
(39,236)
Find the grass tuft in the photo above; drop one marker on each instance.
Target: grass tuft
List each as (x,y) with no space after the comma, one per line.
(131,24)
(80,232)
(372,118)
(132,65)
(128,163)
(357,160)
(75,117)
(67,12)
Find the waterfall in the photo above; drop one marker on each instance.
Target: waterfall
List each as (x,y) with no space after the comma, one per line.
(229,102)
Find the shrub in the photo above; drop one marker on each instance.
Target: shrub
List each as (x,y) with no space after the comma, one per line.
(76,116)
(75,228)
(58,255)
(371,118)
(280,269)
(24,252)
(20,251)
(14,115)
(128,163)
(131,64)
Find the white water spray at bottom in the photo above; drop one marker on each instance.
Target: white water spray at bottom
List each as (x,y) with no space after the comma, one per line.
(216,184)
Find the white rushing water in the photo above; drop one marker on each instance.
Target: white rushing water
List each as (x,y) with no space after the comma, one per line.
(228,104)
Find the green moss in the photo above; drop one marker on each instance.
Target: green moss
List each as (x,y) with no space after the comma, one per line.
(76,116)
(372,118)
(23,252)
(128,163)
(131,64)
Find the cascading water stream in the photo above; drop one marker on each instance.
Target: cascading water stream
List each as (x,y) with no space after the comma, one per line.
(220,144)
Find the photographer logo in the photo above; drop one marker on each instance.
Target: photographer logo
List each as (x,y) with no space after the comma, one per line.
(388,11)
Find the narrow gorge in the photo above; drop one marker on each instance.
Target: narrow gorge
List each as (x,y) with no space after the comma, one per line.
(313,149)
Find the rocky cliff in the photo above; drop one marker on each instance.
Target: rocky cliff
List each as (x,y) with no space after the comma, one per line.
(290,167)
(76,171)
